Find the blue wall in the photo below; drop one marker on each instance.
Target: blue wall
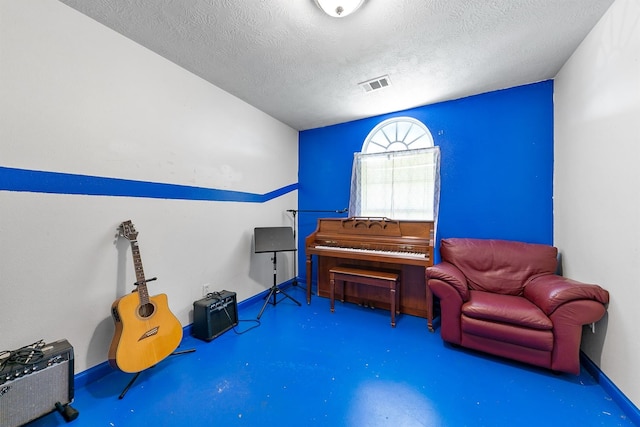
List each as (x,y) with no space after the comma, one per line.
(496,165)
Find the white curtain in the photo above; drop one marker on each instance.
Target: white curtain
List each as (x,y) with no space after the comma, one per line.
(402,185)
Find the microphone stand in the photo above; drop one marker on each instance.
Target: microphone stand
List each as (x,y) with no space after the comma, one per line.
(293,213)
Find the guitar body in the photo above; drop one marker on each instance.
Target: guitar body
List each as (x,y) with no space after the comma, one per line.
(145,333)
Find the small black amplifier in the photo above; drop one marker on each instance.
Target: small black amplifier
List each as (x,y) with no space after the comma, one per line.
(31,387)
(214,315)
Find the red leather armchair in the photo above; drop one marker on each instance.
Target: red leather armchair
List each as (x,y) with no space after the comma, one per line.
(504,298)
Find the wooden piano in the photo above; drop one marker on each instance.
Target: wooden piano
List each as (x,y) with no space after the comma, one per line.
(404,246)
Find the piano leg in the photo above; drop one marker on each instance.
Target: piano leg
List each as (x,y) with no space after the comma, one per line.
(309,277)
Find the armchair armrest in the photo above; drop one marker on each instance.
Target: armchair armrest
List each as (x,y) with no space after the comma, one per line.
(451,275)
(550,291)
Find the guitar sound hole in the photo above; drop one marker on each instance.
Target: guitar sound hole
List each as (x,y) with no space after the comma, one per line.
(146,310)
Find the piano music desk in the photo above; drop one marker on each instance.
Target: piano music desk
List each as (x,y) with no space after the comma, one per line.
(380,279)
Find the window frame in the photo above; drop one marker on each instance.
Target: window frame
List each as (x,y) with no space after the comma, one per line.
(388,143)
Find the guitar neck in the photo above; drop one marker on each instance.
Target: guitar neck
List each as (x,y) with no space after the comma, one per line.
(140,279)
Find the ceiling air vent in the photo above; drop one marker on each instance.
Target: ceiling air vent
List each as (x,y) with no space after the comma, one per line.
(375,84)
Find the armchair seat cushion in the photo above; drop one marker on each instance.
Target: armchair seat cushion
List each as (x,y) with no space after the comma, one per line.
(509,309)
(505,333)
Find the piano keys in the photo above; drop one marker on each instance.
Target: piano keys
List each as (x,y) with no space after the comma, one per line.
(402,246)
(399,254)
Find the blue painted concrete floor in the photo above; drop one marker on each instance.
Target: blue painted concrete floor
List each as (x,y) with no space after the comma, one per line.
(304,366)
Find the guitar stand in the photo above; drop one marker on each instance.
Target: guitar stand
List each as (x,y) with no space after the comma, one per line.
(275,290)
(135,377)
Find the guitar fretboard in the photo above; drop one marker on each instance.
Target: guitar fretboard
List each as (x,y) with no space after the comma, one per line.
(137,265)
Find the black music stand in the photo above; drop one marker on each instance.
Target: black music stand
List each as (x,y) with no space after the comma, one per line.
(274,239)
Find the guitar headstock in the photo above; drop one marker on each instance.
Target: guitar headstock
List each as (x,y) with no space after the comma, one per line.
(128,231)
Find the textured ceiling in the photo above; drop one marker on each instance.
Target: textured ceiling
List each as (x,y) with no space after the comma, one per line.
(290,60)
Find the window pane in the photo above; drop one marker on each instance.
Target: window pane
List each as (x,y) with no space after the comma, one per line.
(398,185)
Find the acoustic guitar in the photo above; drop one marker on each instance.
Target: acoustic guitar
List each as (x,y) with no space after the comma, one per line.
(146,330)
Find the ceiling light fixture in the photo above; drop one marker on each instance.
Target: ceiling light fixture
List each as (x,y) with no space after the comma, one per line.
(339,8)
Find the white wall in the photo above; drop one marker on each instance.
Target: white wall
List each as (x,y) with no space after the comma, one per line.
(597,184)
(76,97)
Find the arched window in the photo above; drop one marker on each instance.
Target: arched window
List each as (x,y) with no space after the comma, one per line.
(397,173)
(397,134)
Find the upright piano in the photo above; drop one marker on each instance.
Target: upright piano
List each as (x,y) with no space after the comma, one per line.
(401,246)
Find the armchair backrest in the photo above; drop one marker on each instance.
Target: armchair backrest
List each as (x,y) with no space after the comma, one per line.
(498,266)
